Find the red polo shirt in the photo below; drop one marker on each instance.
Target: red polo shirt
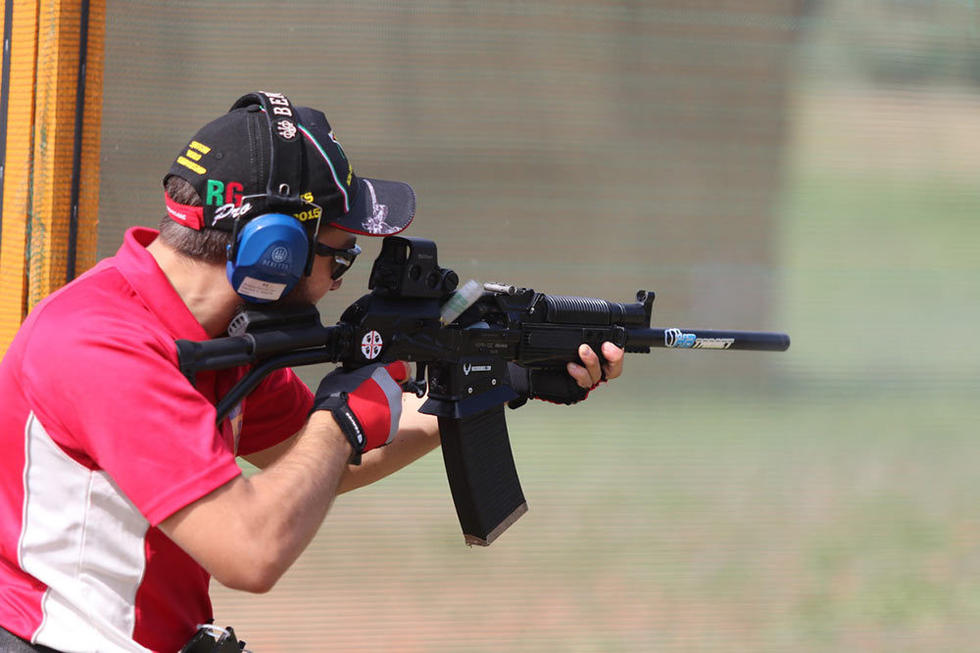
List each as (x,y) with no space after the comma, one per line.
(102,439)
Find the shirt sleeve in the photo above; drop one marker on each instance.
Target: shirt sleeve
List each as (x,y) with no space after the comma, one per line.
(117,398)
(274,411)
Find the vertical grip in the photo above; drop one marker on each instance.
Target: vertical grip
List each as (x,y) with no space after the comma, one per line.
(482,475)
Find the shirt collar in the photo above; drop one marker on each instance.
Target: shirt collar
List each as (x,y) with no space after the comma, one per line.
(153,287)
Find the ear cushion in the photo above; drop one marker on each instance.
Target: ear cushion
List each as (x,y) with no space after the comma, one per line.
(270,259)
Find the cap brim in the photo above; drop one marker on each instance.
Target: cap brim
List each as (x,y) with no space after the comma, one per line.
(381,208)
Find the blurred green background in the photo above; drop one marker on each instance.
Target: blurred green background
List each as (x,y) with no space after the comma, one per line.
(808,167)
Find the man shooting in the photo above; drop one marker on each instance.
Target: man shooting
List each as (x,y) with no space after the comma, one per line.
(119,496)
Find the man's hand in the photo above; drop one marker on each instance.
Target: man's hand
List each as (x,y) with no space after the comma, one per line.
(591,373)
(559,388)
(366,403)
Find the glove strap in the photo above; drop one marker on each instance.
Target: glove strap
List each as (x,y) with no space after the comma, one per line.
(349,425)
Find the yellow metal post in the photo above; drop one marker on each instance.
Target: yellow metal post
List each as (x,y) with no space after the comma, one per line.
(17,105)
(51,171)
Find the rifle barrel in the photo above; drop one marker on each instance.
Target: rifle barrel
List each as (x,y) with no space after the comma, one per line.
(676,338)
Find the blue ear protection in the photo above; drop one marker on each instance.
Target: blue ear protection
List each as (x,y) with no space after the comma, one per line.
(270,259)
(270,253)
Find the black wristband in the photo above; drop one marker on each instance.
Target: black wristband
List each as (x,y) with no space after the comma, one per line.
(348,423)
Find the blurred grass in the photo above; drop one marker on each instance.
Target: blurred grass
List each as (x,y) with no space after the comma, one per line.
(882,279)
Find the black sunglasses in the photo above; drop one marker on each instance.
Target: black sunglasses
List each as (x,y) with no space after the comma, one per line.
(343,258)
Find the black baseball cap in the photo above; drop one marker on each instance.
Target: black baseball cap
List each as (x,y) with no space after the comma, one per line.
(267,156)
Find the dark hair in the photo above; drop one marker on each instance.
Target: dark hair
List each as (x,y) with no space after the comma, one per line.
(209,245)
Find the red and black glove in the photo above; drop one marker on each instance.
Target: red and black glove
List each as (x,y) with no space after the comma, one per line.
(366,403)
